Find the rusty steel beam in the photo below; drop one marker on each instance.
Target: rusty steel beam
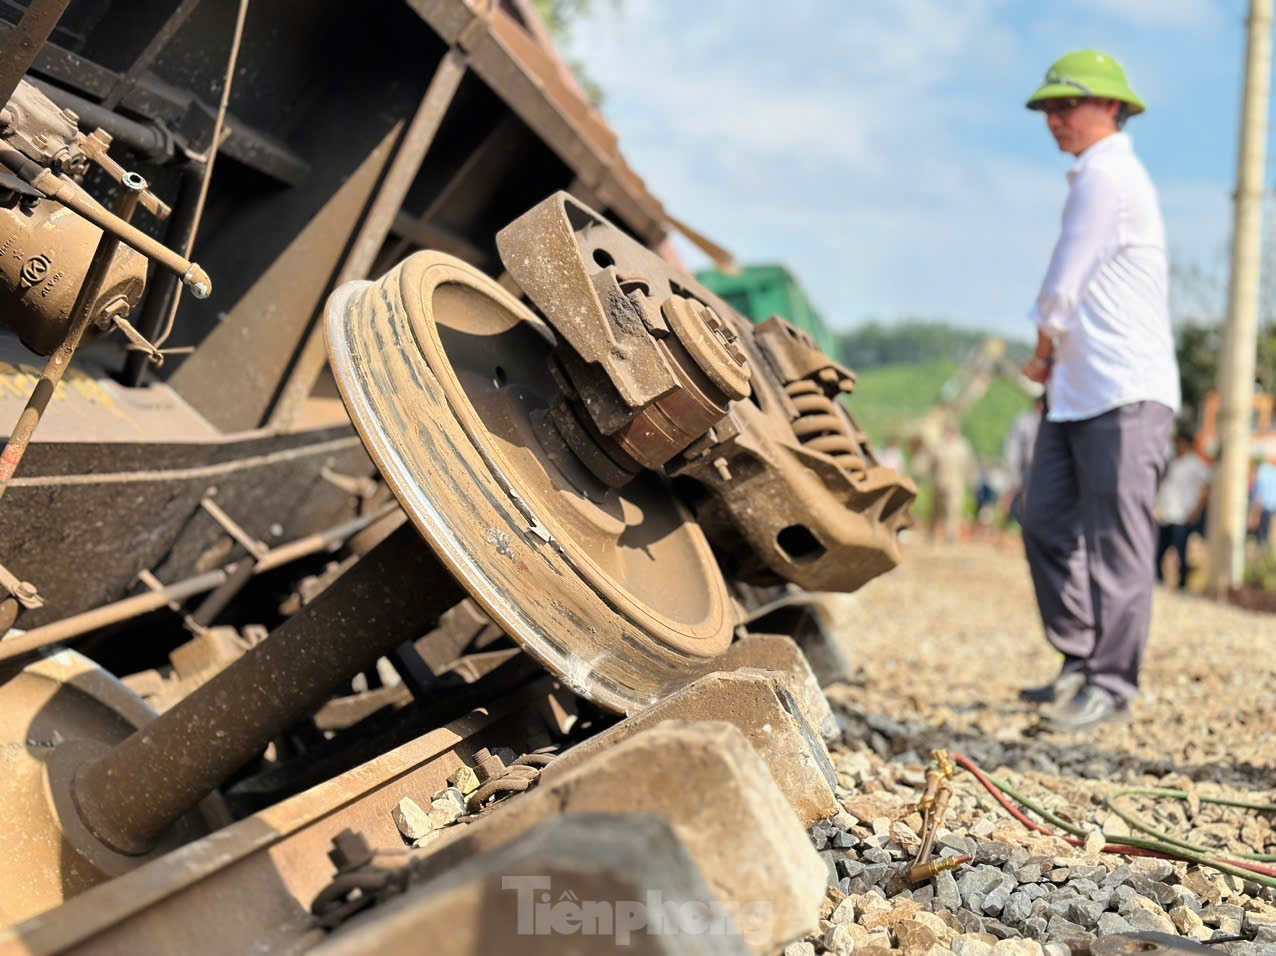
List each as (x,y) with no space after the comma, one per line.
(24,42)
(77,625)
(277,858)
(524,76)
(152,50)
(376,225)
(428,235)
(129,797)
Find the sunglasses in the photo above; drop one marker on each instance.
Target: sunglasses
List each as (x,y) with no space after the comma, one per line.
(1061,106)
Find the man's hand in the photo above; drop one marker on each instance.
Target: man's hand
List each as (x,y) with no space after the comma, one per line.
(1037,369)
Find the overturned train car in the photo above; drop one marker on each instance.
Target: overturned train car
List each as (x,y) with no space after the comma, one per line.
(361,447)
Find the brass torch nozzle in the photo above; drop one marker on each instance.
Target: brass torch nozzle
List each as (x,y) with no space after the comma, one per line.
(944,763)
(921,872)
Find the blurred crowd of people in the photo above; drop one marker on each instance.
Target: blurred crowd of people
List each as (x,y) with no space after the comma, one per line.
(972,498)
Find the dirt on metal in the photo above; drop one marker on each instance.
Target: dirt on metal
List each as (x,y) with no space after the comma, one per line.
(343,626)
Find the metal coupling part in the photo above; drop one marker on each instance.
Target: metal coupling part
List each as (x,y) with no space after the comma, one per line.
(197,280)
(711,342)
(921,872)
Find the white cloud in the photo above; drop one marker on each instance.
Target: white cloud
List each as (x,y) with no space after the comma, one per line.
(1179,14)
(879,150)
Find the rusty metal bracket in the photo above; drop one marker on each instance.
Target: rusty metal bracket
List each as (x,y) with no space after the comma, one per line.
(647,364)
(138,342)
(95,146)
(24,591)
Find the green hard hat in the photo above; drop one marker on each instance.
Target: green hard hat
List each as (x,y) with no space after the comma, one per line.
(1086,73)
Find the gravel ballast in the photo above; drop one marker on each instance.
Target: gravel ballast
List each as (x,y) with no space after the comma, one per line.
(942,646)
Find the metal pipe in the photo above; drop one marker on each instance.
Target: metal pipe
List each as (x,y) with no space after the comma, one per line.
(210,158)
(130,796)
(162,286)
(80,624)
(149,140)
(63,190)
(24,43)
(82,316)
(1236,363)
(73,197)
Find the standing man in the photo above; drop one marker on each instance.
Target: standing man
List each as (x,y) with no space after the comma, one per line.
(1106,355)
(1180,502)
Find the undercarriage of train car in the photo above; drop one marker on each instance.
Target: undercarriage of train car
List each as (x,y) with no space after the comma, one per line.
(516,545)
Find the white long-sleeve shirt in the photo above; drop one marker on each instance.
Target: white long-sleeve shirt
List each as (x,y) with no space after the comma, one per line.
(1105,298)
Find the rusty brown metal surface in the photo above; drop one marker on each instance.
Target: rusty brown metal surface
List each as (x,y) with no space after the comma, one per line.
(44,132)
(44,253)
(56,708)
(792,478)
(376,224)
(147,494)
(19,51)
(82,313)
(645,370)
(129,797)
(249,886)
(441,371)
(258,336)
(529,79)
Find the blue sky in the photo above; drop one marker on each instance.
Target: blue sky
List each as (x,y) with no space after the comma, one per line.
(881,149)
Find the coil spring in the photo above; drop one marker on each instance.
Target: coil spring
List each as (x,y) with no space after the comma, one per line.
(822,427)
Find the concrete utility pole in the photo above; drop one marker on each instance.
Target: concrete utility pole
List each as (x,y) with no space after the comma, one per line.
(1240,343)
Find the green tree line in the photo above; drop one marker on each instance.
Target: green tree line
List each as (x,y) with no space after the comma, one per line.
(911,342)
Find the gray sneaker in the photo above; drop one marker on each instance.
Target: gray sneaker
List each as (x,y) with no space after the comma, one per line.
(1092,705)
(1061,688)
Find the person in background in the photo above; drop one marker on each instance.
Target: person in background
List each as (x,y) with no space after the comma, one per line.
(1106,356)
(892,455)
(988,492)
(1180,502)
(1017,454)
(1263,502)
(953,473)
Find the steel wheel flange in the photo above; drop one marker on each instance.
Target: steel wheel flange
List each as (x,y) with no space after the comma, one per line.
(445,376)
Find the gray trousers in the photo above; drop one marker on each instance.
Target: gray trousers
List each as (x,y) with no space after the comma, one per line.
(1091,540)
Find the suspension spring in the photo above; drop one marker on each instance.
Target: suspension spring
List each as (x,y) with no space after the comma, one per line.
(822,426)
